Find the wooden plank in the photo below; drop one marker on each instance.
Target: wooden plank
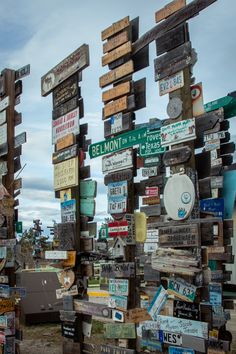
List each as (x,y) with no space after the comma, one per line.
(177,156)
(151,210)
(94,309)
(151,200)
(179,236)
(88,189)
(87,207)
(117,53)
(55,254)
(65,91)
(65,125)
(84,172)
(120,330)
(178,132)
(140,188)
(66,174)
(116,92)
(118,270)
(65,154)
(65,142)
(78,60)
(171,83)
(189,11)
(116,106)
(110,349)
(66,107)
(137,315)
(66,235)
(125,175)
(171,39)
(119,123)
(208,121)
(169,9)
(17,183)
(116,74)
(118,161)
(115,28)
(116,41)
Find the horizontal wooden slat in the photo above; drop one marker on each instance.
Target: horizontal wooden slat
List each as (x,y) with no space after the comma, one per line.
(115,28)
(171,39)
(116,92)
(117,53)
(119,105)
(116,41)
(169,9)
(116,74)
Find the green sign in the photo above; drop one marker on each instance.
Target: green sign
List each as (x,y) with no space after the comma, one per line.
(227,102)
(103,232)
(87,207)
(88,189)
(19,227)
(152,145)
(123,141)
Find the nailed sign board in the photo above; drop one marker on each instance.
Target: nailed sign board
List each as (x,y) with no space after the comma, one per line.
(118,123)
(213,206)
(118,228)
(4,103)
(188,310)
(171,83)
(6,305)
(158,302)
(119,287)
(120,330)
(110,349)
(118,270)
(68,211)
(152,191)
(66,234)
(152,145)
(176,350)
(149,172)
(118,189)
(22,72)
(177,156)
(120,142)
(88,189)
(65,154)
(3,116)
(66,174)
(64,125)
(169,9)
(137,315)
(87,207)
(123,175)
(117,204)
(65,91)
(178,132)
(116,74)
(93,309)
(60,293)
(179,236)
(76,61)
(117,161)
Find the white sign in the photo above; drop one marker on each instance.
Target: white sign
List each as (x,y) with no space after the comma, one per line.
(152,235)
(68,211)
(117,161)
(66,174)
(212,145)
(118,189)
(116,123)
(175,133)
(117,205)
(150,247)
(4,103)
(3,134)
(2,117)
(60,293)
(64,125)
(56,255)
(214,136)
(171,83)
(149,172)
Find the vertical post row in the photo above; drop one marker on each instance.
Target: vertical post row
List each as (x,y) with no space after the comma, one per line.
(10,151)
(74,235)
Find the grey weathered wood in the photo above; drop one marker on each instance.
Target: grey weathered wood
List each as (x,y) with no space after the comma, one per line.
(84,172)
(125,175)
(208,121)
(179,236)
(65,107)
(177,156)
(66,235)
(110,349)
(65,154)
(94,309)
(188,310)
(151,210)
(172,39)
(118,270)
(139,88)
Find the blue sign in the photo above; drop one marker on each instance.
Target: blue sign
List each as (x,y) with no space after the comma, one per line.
(214,206)
(177,350)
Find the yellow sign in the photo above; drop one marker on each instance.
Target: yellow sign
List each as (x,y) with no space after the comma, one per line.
(140,222)
(70,261)
(6,305)
(65,195)
(66,174)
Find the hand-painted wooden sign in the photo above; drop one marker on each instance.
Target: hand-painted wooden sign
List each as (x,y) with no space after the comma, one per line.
(109,349)
(116,74)
(137,315)
(117,161)
(88,189)
(65,91)
(178,132)
(19,139)
(3,115)
(119,286)
(22,72)
(181,289)
(169,9)
(65,142)
(152,145)
(188,310)
(176,350)
(118,123)
(120,142)
(76,61)
(6,305)
(64,125)
(65,154)
(149,172)
(177,156)
(87,207)
(151,200)
(125,103)
(120,330)
(151,210)
(171,83)
(60,293)
(118,228)
(214,206)
(66,174)
(93,309)
(118,270)
(179,236)
(68,211)
(125,175)
(116,40)
(67,107)
(158,302)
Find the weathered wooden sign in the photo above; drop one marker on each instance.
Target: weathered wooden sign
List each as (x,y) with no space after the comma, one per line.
(76,61)
(117,91)
(116,74)
(93,309)
(64,125)
(65,142)
(178,132)
(120,330)
(87,207)
(187,310)
(65,154)
(151,200)
(137,315)
(171,83)
(109,349)
(60,293)
(19,139)
(88,189)
(22,72)
(125,175)
(118,270)
(152,145)
(120,142)
(169,9)
(121,104)
(119,286)
(171,39)
(115,28)
(66,235)
(65,91)
(66,174)
(55,254)
(151,161)
(181,289)
(6,305)
(152,191)
(179,236)
(118,228)
(151,210)
(158,302)
(68,106)
(117,161)
(177,156)
(177,350)
(213,206)
(118,123)
(68,211)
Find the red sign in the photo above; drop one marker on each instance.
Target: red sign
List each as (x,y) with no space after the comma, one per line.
(118,228)
(152,191)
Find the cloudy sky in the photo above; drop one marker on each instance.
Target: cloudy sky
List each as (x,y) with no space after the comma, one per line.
(43,32)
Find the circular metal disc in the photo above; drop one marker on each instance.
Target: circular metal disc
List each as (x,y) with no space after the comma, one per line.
(174,107)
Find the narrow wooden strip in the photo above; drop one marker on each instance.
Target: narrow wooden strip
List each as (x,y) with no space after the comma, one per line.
(115,28)
(116,106)
(169,9)
(116,92)
(116,74)
(117,53)
(116,41)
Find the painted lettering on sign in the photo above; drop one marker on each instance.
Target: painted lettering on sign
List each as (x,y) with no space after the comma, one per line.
(178,132)
(64,125)
(149,172)
(117,161)
(158,302)
(179,236)
(65,91)
(171,83)
(120,330)
(152,145)
(117,204)
(170,338)
(119,287)
(68,211)
(118,228)
(118,270)
(66,174)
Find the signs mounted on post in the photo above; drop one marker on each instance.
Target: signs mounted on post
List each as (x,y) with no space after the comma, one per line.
(64,125)
(179,236)
(178,132)
(65,91)
(66,174)
(117,161)
(171,83)
(119,287)
(152,145)
(118,228)
(76,61)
